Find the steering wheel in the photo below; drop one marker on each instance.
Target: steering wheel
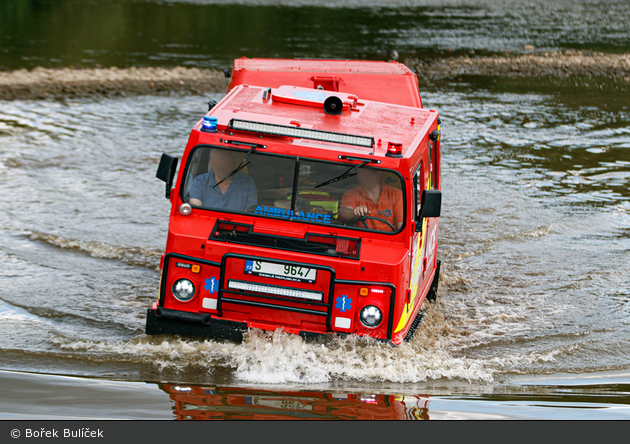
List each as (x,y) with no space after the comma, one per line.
(363,219)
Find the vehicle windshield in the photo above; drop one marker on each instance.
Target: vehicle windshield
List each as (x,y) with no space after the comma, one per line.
(294,189)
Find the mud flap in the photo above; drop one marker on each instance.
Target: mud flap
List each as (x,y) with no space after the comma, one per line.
(432,294)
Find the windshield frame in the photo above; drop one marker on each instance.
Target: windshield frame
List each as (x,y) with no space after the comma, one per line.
(189,158)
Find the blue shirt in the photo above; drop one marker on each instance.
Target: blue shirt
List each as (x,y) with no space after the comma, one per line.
(240,195)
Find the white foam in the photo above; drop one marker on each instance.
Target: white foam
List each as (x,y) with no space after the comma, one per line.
(279,357)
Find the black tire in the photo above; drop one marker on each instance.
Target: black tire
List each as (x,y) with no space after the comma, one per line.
(414,326)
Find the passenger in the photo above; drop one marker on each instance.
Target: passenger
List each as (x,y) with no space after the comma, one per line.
(372,198)
(235,192)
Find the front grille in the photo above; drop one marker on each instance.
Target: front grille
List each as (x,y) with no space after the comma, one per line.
(343,247)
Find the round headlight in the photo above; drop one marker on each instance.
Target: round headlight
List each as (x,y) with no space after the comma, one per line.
(371,316)
(183,290)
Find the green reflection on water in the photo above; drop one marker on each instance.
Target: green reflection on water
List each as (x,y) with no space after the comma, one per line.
(123,33)
(148,33)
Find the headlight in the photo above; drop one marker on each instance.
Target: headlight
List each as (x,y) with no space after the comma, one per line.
(183,290)
(370,316)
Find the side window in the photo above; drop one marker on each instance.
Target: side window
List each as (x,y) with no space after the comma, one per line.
(198,166)
(418,187)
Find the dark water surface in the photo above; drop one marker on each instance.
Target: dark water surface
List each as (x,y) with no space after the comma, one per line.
(533,311)
(212,33)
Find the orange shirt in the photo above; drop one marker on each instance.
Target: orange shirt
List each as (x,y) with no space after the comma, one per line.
(389,206)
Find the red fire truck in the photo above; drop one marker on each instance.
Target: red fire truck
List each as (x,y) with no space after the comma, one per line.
(307,199)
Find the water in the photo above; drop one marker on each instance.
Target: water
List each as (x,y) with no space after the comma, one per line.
(534,244)
(212,33)
(532,318)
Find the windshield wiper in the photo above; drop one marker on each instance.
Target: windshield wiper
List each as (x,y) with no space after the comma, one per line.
(343,176)
(240,166)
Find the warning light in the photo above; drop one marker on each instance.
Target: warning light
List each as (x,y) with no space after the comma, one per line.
(394,149)
(195,269)
(209,124)
(364,291)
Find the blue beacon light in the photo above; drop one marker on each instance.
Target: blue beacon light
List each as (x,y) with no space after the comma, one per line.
(209,124)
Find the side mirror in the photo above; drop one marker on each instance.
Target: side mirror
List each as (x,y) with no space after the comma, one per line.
(430,206)
(166,171)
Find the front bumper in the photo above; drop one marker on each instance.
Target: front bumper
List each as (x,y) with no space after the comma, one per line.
(167,321)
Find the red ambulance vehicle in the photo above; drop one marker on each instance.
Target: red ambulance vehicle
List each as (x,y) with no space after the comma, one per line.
(307,199)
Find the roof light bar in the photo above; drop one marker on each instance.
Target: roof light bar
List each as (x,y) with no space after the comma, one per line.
(278,291)
(301,133)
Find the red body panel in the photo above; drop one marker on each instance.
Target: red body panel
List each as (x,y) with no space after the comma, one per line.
(389,82)
(388,265)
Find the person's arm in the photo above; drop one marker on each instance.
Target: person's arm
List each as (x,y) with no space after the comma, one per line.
(346,213)
(252,199)
(350,208)
(349,213)
(196,192)
(398,210)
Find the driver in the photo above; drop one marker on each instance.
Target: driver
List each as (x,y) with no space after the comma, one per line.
(372,198)
(235,192)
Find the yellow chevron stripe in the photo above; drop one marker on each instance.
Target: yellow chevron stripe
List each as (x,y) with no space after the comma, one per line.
(415,277)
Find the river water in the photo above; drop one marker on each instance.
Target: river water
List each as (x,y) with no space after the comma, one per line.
(533,311)
(211,33)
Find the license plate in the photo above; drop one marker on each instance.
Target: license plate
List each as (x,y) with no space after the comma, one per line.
(293,273)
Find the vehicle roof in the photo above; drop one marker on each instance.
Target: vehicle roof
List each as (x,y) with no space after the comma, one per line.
(322,65)
(383,121)
(390,82)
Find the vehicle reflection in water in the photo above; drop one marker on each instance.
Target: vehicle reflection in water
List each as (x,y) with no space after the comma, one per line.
(201,402)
